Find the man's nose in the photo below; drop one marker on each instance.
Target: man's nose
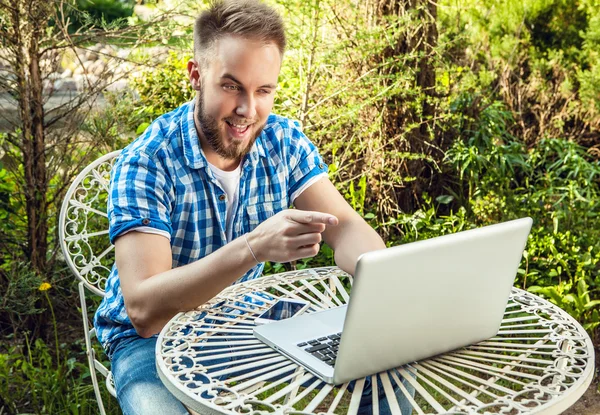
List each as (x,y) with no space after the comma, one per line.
(246,107)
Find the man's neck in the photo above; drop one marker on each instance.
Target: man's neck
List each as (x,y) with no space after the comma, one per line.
(216,160)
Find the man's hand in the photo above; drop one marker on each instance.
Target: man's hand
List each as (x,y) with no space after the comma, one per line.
(290,235)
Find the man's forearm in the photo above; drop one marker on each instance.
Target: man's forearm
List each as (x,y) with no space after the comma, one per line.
(354,239)
(156,299)
(353,236)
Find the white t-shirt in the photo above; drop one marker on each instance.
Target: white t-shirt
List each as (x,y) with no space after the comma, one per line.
(230,183)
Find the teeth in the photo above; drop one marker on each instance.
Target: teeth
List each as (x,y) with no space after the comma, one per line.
(238,125)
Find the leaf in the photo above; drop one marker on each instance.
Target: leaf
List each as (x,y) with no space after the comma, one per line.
(582,291)
(589,327)
(444,199)
(592,304)
(550,292)
(142,127)
(569,298)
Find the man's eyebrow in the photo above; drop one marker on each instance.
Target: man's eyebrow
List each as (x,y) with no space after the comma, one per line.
(232,78)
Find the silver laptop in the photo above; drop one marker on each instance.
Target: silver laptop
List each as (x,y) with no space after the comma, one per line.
(408,303)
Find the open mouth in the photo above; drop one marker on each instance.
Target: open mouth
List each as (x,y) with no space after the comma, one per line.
(238,129)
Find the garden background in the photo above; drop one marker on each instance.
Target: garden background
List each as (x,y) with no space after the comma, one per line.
(433,118)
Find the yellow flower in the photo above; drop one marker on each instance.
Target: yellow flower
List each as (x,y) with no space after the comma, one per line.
(44,286)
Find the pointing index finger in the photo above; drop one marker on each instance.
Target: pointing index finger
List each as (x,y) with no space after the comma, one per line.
(314,217)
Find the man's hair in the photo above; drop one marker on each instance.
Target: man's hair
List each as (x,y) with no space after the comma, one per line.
(248,19)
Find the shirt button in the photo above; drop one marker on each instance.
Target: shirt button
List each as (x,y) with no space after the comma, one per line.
(321,166)
(145,221)
(222,197)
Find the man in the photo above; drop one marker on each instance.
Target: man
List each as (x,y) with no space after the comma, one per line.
(200,200)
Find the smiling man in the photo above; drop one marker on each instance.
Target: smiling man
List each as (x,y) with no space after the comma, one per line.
(200,200)
(236,95)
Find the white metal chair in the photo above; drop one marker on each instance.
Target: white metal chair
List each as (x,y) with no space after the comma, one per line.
(83,233)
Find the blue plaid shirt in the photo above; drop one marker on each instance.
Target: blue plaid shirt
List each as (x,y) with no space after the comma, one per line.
(163,180)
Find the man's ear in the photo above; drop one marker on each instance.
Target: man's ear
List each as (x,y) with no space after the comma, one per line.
(194,74)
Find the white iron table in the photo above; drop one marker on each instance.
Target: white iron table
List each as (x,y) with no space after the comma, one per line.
(540,362)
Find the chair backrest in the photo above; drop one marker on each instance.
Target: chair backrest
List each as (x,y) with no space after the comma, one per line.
(83,224)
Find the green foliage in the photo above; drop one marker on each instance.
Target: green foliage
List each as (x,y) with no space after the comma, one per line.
(356,196)
(21,296)
(32,382)
(6,188)
(574,300)
(163,89)
(103,11)
(558,184)
(8,206)
(589,77)
(357,101)
(488,156)
(543,58)
(115,125)
(427,222)
(11,205)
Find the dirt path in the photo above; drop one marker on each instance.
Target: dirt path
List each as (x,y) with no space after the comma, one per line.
(588,404)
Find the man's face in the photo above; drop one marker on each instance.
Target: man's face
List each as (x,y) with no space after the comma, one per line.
(236,95)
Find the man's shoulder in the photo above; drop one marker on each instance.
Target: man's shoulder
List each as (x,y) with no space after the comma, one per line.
(277,124)
(281,132)
(162,135)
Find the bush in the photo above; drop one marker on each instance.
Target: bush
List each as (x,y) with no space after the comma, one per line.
(21,299)
(557,183)
(34,380)
(164,88)
(104,11)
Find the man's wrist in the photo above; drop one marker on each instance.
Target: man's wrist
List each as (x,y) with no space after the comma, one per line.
(252,251)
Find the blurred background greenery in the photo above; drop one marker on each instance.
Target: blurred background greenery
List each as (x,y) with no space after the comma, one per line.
(433,117)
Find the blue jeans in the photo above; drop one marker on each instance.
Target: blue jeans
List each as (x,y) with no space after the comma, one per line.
(141,392)
(139,389)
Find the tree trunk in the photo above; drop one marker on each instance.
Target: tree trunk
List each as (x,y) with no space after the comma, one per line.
(38,230)
(30,19)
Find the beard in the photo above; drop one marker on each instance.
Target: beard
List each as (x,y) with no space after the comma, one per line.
(209,128)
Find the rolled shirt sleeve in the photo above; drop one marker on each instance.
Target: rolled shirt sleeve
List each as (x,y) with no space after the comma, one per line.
(141,195)
(305,162)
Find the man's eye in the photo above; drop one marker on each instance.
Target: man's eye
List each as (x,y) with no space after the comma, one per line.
(231,87)
(264,91)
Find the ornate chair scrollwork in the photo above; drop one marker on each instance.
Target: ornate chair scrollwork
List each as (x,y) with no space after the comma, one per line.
(83,233)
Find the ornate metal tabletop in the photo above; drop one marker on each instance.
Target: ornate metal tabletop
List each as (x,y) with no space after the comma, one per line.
(540,362)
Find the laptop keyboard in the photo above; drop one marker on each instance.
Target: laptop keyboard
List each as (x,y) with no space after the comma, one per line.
(324,348)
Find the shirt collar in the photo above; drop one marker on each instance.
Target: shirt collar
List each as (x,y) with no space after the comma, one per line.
(192,151)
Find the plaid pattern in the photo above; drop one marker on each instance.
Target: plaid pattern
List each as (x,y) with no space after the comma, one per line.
(162,180)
